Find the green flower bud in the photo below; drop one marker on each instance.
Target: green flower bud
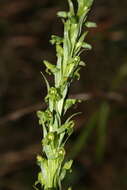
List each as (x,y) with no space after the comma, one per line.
(39,158)
(51,136)
(61,152)
(76,59)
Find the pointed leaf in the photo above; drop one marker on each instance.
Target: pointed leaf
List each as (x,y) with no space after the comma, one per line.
(46,81)
(82,63)
(77,74)
(68,126)
(71,7)
(62,14)
(50,67)
(59,50)
(63,174)
(90,24)
(56,40)
(86,46)
(73,115)
(80,42)
(69,103)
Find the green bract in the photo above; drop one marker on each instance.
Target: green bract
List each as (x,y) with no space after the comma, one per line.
(52,165)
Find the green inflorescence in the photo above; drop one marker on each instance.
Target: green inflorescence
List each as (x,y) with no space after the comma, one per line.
(55,132)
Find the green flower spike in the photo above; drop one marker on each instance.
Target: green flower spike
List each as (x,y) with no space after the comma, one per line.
(53,167)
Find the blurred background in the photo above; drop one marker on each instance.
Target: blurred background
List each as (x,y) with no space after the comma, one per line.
(99,143)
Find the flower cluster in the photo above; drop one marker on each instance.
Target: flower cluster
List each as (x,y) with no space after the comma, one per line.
(55,131)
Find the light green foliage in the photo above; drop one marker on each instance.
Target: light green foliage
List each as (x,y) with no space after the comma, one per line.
(55,132)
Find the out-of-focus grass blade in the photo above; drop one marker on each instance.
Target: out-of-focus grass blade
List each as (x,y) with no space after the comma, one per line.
(120,76)
(83,137)
(103,116)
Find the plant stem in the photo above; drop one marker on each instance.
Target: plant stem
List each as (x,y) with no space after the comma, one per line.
(55,131)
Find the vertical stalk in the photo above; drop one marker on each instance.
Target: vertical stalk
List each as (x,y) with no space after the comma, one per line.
(53,167)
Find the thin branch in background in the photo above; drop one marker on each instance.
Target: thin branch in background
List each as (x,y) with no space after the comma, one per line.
(20,113)
(14,160)
(18,158)
(119,98)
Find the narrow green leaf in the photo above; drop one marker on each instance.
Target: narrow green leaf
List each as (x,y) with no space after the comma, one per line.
(63,174)
(73,115)
(67,43)
(56,40)
(62,14)
(83,7)
(50,67)
(59,50)
(71,8)
(46,81)
(66,127)
(82,63)
(77,74)
(80,42)
(86,46)
(90,24)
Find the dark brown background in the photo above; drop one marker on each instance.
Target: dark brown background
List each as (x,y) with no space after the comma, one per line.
(25,30)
